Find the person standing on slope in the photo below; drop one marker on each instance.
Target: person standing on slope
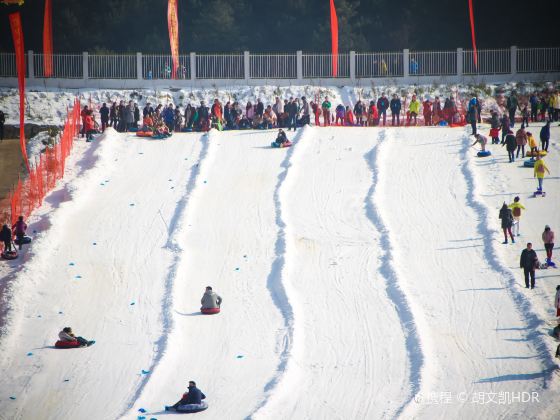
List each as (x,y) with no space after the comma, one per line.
(538,171)
(427,111)
(512,105)
(395,110)
(507,222)
(516,208)
(6,238)
(528,262)
(548,239)
(511,145)
(521,140)
(545,136)
(104,113)
(19,229)
(557,301)
(382,106)
(414,109)
(326,107)
(210,299)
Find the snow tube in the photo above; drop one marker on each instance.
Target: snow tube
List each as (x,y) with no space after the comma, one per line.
(192,408)
(67,344)
(529,163)
(280,146)
(210,311)
(24,241)
(540,152)
(144,133)
(9,255)
(484,153)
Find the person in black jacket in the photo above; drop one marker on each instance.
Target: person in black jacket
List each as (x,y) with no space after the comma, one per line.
(512,105)
(2,121)
(203,115)
(507,222)
(395,109)
(511,145)
(528,262)
(104,112)
(113,120)
(359,112)
(292,110)
(260,108)
(6,237)
(193,396)
(545,136)
(382,106)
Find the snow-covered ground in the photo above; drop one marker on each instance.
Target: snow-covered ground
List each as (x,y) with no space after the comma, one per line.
(362,273)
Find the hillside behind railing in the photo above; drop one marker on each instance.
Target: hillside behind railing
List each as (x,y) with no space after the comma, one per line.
(407,67)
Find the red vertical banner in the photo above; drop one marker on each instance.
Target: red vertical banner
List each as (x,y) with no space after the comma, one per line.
(17,35)
(334,39)
(173,27)
(475,53)
(47,41)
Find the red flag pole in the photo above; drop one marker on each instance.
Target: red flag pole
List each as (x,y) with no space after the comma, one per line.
(17,35)
(334,39)
(475,53)
(173,28)
(47,40)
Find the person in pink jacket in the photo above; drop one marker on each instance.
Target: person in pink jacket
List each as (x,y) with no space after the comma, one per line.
(548,239)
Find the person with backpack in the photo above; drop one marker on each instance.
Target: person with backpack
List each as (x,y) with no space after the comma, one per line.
(395,106)
(511,145)
(528,263)
(507,222)
(545,136)
(548,239)
(516,208)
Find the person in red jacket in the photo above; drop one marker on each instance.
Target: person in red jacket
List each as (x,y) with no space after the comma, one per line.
(19,229)
(373,115)
(84,114)
(317,112)
(427,111)
(217,110)
(349,116)
(89,125)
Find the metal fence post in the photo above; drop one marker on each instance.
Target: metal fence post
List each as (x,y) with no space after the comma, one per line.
(513,59)
(460,63)
(30,69)
(139,73)
(85,65)
(193,66)
(406,63)
(247,65)
(352,65)
(299,66)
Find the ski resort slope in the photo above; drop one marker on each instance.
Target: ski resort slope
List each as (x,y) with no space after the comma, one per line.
(361,270)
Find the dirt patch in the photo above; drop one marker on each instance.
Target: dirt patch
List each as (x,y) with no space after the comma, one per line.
(10,167)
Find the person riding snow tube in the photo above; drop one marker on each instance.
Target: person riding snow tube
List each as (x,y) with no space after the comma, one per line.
(210,301)
(67,340)
(281,140)
(191,402)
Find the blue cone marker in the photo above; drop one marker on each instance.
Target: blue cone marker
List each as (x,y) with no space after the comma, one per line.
(237,269)
(145,372)
(12,398)
(60,312)
(132,303)
(131,204)
(240,356)
(78,277)
(142,410)
(95,243)
(30,354)
(71,263)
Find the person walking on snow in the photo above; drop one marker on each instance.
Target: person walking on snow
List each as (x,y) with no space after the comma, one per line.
(528,262)
(548,239)
(521,140)
(538,171)
(545,136)
(516,208)
(210,299)
(511,145)
(507,222)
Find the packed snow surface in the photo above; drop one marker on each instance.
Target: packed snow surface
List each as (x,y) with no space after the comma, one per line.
(362,273)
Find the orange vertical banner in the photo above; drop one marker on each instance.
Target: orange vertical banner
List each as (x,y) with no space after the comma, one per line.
(17,35)
(475,53)
(334,39)
(173,27)
(47,41)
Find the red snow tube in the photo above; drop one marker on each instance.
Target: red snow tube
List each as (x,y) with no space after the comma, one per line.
(494,132)
(210,311)
(67,344)
(144,133)
(9,255)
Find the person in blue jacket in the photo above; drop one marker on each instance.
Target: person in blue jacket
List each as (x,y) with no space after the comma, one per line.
(534,101)
(545,136)
(168,116)
(192,399)
(395,109)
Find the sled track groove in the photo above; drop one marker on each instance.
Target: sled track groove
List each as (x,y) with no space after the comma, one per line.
(414,349)
(494,262)
(173,246)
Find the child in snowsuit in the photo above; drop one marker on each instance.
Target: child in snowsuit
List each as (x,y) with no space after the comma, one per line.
(507,222)
(19,228)
(532,144)
(548,239)
(516,208)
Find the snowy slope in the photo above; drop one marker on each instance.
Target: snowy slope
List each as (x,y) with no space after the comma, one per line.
(362,275)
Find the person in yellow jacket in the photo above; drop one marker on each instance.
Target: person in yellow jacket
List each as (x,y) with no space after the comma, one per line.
(414,109)
(516,208)
(539,170)
(532,144)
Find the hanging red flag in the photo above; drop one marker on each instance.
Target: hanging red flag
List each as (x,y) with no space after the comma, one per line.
(173,27)
(47,41)
(334,39)
(475,53)
(17,35)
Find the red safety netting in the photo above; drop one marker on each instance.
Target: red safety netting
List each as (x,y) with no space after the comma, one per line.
(28,193)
